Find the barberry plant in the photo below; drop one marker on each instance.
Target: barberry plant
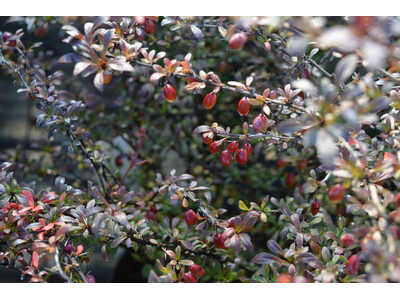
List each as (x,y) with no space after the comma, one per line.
(305,130)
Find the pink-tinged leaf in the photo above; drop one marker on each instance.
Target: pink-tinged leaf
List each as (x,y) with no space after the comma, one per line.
(120,64)
(35,260)
(80,67)
(246,241)
(296,220)
(120,217)
(49,197)
(38,245)
(201,225)
(235,243)
(274,247)
(153,278)
(29,196)
(265,258)
(171,254)
(187,244)
(62,230)
(202,129)
(99,81)
(332,236)
(104,252)
(156,76)
(107,41)
(266,110)
(237,84)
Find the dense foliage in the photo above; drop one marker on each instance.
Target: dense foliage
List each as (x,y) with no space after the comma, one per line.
(290,127)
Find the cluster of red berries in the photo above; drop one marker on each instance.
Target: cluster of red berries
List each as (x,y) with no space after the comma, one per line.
(259,122)
(195,271)
(242,155)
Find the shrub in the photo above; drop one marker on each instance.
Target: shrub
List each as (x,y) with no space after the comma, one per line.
(312,147)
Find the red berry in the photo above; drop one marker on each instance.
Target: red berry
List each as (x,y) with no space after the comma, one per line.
(139,35)
(169,93)
(302,164)
(248,148)
(353,265)
(90,279)
(209,100)
(348,240)
(153,209)
(206,138)
(197,270)
(259,122)
(284,278)
(290,179)
(191,80)
(190,217)
(40,31)
(336,193)
(315,206)
(119,160)
(214,148)
(149,27)
(233,147)
(189,278)
(151,216)
(219,241)
(244,106)
(237,41)
(306,73)
(242,157)
(6,37)
(226,158)
(280,163)
(32,94)
(68,248)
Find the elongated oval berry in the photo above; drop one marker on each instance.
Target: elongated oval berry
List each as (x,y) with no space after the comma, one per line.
(226,158)
(336,193)
(209,100)
(280,163)
(353,264)
(190,217)
(219,241)
(259,122)
(206,138)
(348,240)
(237,41)
(149,27)
(189,278)
(290,179)
(214,148)
(248,148)
(169,93)
(107,76)
(315,206)
(242,157)
(302,164)
(151,216)
(233,147)
(244,106)
(196,270)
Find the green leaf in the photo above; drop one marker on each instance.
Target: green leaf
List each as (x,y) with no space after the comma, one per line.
(243,206)
(316,221)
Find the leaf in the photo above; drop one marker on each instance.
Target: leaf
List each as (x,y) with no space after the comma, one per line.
(346,67)
(99,81)
(187,244)
(246,241)
(326,149)
(104,252)
(243,206)
(156,76)
(196,31)
(306,258)
(313,52)
(274,247)
(202,129)
(153,278)
(265,258)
